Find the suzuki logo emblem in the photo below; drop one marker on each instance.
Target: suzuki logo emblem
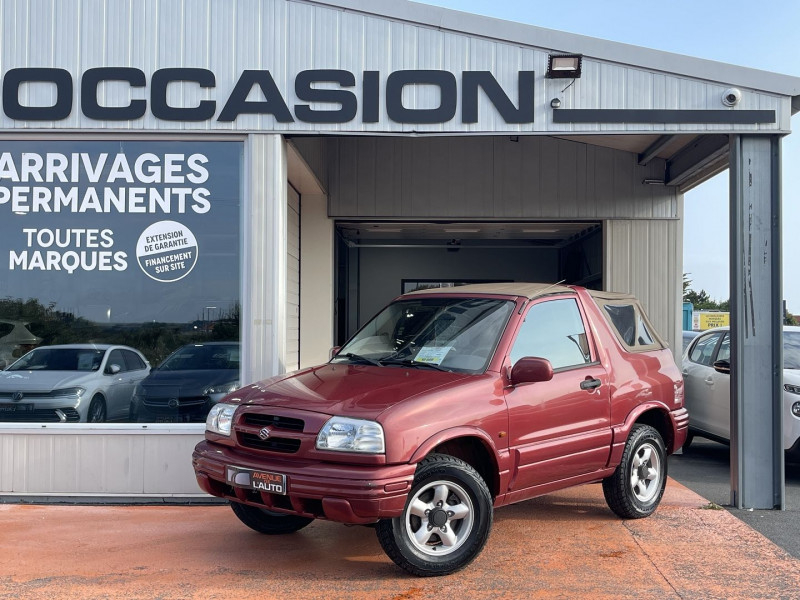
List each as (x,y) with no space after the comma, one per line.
(16,397)
(264,433)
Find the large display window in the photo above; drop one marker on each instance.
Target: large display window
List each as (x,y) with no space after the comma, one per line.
(119,279)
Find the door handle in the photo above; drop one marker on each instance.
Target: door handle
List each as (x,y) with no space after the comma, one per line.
(590,383)
(709,381)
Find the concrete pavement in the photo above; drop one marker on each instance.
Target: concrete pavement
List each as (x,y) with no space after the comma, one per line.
(564,545)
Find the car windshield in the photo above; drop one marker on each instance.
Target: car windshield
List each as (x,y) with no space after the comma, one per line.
(60,359)
(791,349)
(203,357)
(452,334)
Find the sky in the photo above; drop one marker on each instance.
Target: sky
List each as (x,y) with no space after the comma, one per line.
(761,35)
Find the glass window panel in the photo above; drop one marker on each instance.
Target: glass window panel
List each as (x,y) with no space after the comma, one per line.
(553,330)
(623,318)
(128,243)
(703,350)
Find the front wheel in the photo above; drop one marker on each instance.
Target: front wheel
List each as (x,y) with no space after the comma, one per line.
(268,522)
(446,520)
(97,410)
(634,490)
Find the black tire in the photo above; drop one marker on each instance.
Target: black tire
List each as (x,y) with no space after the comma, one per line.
(688,442)
(441,483)
(97,410)
(636,487)
(268,522)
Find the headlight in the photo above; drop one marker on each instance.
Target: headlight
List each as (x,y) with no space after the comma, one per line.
(792,389)
(225,388)
(351,435)
(220,418)
(72,392)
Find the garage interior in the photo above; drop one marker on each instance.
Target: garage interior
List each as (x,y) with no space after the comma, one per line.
(377,261)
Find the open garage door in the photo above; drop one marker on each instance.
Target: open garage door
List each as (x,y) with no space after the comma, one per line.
(377,261)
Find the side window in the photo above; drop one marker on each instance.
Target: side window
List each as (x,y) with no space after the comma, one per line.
(116,358)
(724,352)
(133,362)
(703,351)
(553,330)
(623,317)
(644,339)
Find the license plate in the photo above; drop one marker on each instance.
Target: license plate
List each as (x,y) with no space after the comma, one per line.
(16,408)
(262,481)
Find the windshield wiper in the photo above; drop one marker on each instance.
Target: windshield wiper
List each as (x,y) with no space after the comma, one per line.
(359,358)
(405,362)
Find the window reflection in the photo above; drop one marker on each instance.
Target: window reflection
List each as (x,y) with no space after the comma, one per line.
(124,254)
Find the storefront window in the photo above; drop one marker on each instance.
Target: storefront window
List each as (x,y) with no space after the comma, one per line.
(119,279)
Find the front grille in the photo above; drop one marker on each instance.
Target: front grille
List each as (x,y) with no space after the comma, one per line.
(272,444)
(43,415)
(274,422)
(182,401)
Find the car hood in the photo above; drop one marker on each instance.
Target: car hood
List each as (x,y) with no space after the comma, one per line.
(190,382)
(42,381)
(362,391)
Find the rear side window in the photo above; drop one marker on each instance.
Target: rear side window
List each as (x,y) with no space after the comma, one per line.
(631,326)
(623,317)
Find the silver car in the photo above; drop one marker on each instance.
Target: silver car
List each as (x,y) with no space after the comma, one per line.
(706,373)
(71,383)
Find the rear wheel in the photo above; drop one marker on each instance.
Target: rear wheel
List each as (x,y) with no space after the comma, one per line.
(688,442)
(635,488)
(268,522)
(446,520)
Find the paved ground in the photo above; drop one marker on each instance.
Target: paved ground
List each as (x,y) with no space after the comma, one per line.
(705,468)
(566,545)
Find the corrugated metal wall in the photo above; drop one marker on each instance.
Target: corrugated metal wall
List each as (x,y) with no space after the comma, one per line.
(292,360)
(150,462)
(490,177)
(644,258)
(287,36)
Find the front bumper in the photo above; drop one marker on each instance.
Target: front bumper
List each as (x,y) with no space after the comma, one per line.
(355,494)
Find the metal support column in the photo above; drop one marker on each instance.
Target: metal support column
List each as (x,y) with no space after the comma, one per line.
(757,476)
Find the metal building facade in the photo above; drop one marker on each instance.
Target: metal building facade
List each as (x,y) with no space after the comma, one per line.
(582,161)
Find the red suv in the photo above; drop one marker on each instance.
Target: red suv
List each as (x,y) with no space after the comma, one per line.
(446,405)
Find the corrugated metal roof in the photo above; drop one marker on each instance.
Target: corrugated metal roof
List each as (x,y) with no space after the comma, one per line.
(539,37)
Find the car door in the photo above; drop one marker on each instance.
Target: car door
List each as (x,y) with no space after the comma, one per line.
(119,386)
(720,406)
(700,381)
(558,428)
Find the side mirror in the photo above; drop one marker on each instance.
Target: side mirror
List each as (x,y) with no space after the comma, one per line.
(722,366)
(333,351)
(112,369)
(531,369)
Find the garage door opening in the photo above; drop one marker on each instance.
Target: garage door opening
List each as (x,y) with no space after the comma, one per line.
(377,261)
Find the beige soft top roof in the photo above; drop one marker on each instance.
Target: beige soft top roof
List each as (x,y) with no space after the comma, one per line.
(528,290)
(612,296)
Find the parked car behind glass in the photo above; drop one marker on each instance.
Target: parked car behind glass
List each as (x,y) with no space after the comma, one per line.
(187,384)
(706,372)
(71,383)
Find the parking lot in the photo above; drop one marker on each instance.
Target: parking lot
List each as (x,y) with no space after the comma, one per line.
(705,468)
(565,545)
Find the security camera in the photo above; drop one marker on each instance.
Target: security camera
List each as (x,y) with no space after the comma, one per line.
(731,97)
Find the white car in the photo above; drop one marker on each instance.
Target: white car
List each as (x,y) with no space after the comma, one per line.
(706,375)
(71,383)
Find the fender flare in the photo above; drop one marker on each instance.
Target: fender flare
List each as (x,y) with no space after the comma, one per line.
(446,435)
(622,431)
